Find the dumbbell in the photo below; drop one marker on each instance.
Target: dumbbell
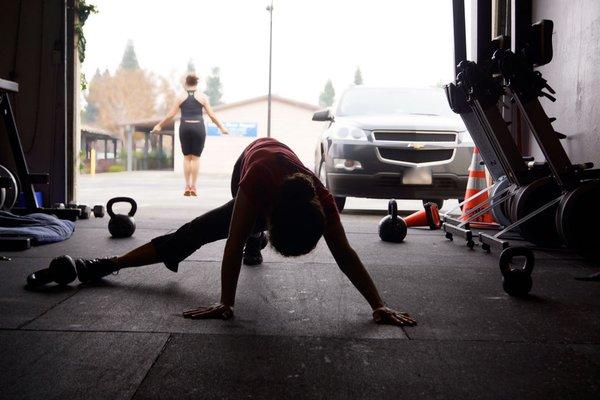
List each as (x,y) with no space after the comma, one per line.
(84,212)
(98,211)
(61,270)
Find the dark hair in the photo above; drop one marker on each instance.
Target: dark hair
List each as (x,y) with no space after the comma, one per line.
(191,80)
(297,221)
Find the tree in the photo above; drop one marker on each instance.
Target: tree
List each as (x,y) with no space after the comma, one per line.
(167,95)
(213,87)
(191,68)
(130,94)
(327,95)
(91,112)
(129,60)
(358,79)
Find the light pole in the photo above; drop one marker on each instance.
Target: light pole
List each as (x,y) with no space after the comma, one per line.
(270,10)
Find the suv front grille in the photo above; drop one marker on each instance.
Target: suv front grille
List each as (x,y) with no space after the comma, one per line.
(395,181)
(402,136)
(415,156)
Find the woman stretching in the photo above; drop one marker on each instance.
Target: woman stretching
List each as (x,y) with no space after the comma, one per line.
(272,190)
(192,132)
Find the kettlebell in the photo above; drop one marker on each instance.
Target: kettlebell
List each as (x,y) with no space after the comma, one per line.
(516,282)
(121,225)
(392,228)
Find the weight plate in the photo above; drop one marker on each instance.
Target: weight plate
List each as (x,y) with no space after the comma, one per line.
(577,220)
(10,191)
(499,210)
(541,229)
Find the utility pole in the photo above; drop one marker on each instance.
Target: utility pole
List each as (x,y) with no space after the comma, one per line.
(270,10)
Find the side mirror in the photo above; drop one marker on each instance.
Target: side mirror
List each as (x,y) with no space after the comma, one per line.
(323,115)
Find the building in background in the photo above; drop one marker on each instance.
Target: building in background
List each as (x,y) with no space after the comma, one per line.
(291,123)
(106,145)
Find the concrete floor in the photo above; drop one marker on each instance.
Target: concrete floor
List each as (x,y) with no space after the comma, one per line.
(301,330)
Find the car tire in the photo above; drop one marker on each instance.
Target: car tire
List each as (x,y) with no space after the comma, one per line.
(340,201)
(439,202)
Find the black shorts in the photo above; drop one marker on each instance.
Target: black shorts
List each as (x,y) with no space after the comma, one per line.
(192,136)
(175,247)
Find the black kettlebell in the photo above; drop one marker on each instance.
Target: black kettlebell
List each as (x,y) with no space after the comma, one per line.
(121,225)
(392,228)
(61,270)
(516,282)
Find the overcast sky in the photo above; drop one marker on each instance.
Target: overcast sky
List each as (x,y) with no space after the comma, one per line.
(395,42)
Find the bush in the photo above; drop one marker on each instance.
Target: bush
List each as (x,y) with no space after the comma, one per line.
(116,168)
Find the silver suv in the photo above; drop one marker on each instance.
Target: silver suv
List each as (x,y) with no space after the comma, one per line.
(402,143)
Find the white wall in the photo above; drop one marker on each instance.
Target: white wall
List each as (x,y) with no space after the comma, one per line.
(574,73)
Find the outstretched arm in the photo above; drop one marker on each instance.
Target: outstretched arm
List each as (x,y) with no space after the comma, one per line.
(351,265)
(212,116)
(242,223)
(172,113)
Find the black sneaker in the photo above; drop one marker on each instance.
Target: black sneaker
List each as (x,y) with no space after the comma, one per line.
(252,250)
(95,269)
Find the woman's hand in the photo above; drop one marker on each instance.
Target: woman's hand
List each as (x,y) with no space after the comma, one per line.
(157,128)
(225,132)
(385,315)
(216,311)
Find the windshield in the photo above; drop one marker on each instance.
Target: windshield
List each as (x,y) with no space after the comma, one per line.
(394,101)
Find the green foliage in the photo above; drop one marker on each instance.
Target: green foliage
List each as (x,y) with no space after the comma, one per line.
(156,158)
(327,95)
(83,11)
(213,87)
(129,60)
(358,79)
(81,162)
(116,168)
(122,155)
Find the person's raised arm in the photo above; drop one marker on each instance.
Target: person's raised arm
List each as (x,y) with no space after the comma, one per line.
(170,115)
(242,223)
(351,265)
(212,116)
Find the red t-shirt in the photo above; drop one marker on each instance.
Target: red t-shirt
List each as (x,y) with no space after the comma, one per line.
(265,164)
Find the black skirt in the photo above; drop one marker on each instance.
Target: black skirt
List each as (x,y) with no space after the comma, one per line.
(192,136)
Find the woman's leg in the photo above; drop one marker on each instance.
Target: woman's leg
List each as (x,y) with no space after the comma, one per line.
(143,255)
(175,247)
(194,168)
(187,169)
(169,249)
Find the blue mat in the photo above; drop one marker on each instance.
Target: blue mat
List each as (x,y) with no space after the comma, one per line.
(42,228)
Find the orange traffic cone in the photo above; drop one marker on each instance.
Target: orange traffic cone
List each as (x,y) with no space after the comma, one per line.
(430,217)
(476,183)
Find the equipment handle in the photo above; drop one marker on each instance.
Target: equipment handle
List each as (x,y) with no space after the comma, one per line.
(109,205)
(507,255)
(393,209)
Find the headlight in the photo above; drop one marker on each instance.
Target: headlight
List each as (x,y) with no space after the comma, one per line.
(464,137)
(349,133)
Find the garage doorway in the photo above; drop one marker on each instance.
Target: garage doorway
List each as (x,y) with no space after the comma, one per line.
(137,54)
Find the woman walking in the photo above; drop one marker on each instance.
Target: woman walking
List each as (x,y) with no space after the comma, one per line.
(192,132)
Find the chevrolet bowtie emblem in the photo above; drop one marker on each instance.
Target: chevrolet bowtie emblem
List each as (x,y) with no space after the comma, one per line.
(416,146)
